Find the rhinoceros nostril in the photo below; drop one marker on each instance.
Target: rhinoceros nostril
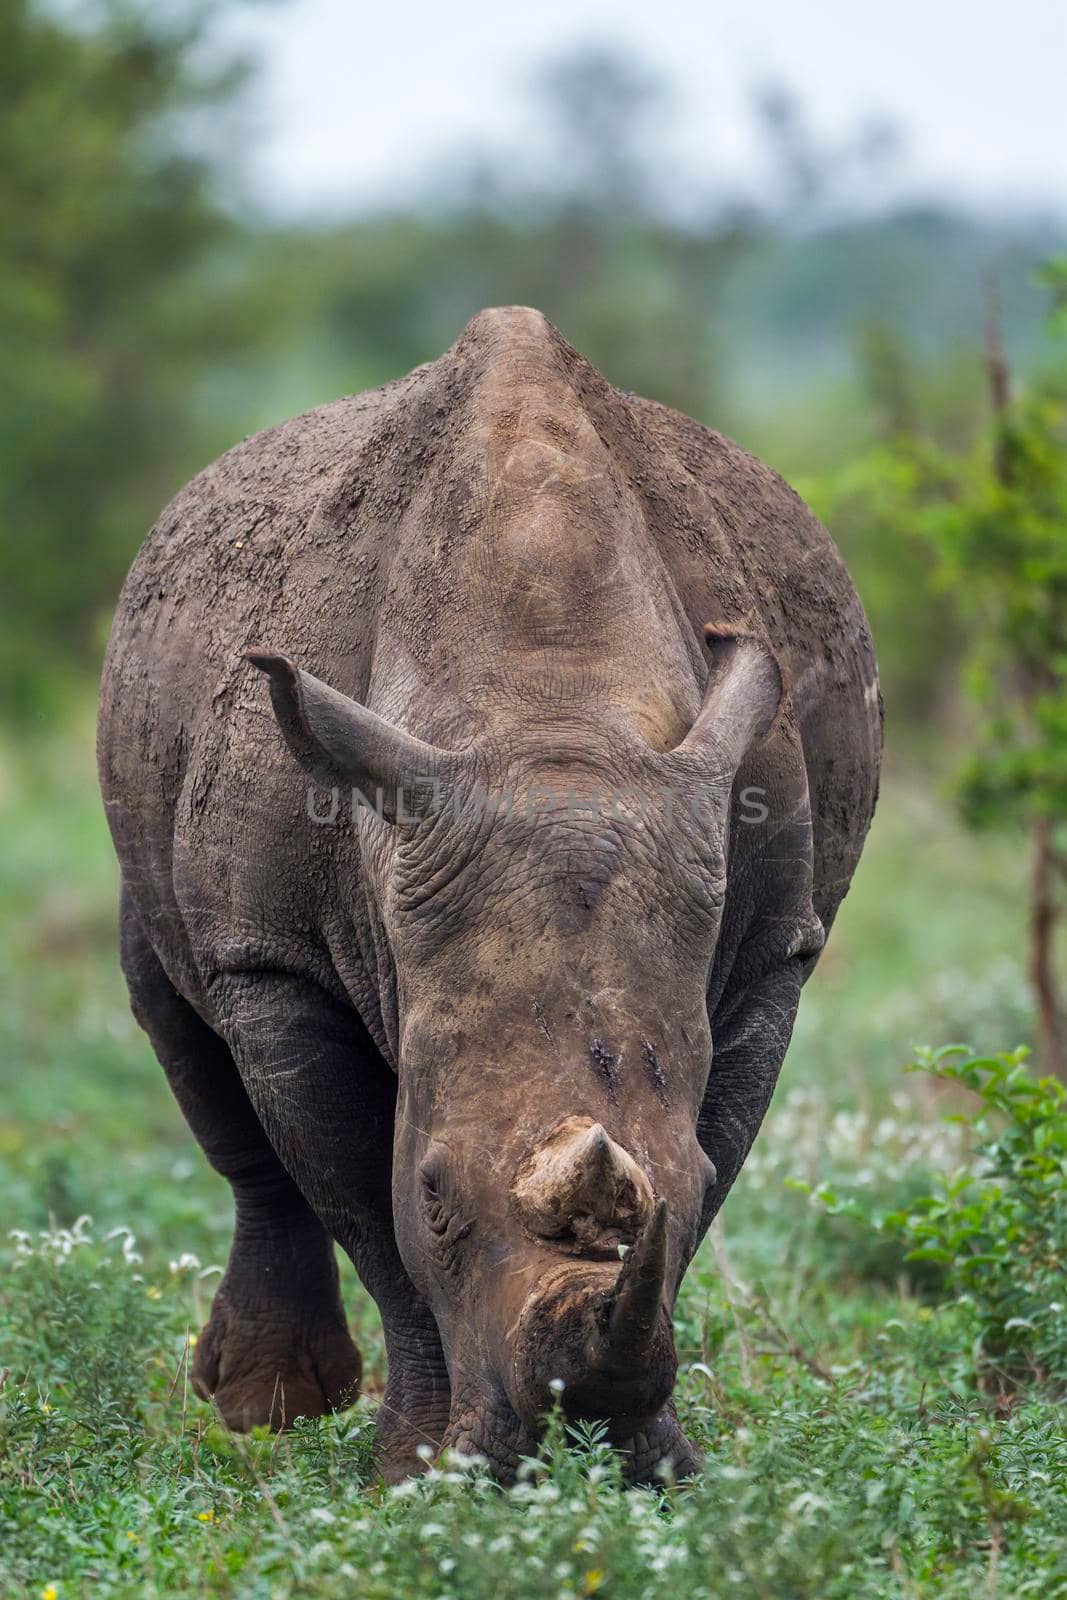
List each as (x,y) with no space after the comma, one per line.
(579,1187)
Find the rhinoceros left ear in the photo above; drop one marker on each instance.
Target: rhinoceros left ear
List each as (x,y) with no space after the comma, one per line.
(741,701)
(338,741)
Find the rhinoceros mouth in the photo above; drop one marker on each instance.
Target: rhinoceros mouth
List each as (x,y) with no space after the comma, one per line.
(652,1449)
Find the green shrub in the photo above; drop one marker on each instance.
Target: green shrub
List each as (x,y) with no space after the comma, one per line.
(996,1228)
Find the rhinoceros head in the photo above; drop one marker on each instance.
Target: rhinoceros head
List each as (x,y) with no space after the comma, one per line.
(551,897)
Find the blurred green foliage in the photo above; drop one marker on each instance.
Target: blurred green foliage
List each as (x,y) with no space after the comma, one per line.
(104,322)
(995,1227)
(1001,542)
(988,526)
(987,529)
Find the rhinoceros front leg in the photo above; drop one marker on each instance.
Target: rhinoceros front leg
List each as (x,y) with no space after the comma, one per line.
(276,1345)
(751,1030)
(327,1101)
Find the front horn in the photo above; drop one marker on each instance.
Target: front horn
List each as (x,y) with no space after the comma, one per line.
(630,1322)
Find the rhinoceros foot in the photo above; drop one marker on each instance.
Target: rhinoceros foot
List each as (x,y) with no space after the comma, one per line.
(264,1364)
(411,1423)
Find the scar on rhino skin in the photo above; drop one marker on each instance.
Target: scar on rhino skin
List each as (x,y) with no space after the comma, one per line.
(539,1018)
(607,1068)
(656,1071)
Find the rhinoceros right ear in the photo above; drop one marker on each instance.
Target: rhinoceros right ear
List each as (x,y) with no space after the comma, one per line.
(339,742)
(742,699)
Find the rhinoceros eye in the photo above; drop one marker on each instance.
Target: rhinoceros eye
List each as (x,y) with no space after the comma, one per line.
(432,1179)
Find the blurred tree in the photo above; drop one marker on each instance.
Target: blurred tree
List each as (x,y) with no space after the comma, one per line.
(1001,540)
(888,377)
(105,316)
(994,521)
(802,166)
(637,290)
(584,238)
(596,104)
(813,175)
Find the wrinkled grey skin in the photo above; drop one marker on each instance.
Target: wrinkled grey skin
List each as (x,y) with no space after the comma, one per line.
(481,1049)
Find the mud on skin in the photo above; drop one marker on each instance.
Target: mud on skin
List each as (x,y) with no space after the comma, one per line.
(488,1051)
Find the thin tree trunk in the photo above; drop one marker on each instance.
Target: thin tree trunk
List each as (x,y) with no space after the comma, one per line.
(1043,914)
(1044,906)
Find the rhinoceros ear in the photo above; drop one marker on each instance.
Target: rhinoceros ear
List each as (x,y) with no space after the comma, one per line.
(741,701)
(338,741)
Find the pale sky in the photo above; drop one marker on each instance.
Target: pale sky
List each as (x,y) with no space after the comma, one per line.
(357,101)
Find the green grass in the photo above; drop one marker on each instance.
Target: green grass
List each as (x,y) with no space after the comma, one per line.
(851,1451)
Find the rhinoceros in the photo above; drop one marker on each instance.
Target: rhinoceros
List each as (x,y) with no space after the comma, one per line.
(475,945)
